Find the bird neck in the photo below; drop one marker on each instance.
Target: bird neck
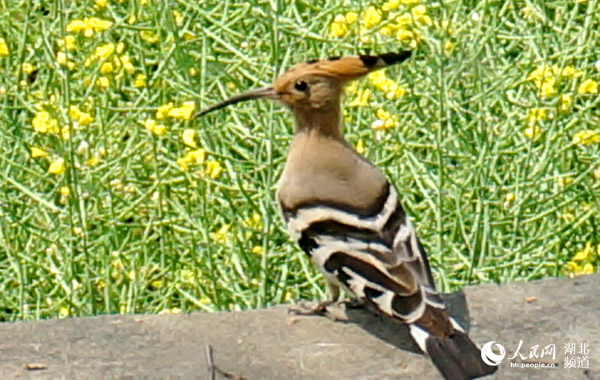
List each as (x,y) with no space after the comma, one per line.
(325,122)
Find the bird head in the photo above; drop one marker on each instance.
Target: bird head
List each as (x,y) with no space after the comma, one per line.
(316,85)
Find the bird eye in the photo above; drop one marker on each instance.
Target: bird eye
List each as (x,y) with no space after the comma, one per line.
(301,86)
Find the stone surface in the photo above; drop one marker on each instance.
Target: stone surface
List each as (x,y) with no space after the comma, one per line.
(271,344)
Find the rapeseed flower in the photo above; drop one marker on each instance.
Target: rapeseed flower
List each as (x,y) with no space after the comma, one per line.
(533,132)
(565,102)
(583,261)
(88,26)
(360,147)
(44,123)
(127,65)
(588,86)
(536,114)
(104,51)
(371,18)
(27,68)
(213,169)
(184,112)
(83,118)
(57,166)
(339,26)
(107,68)
(38,152)
(140,80)
(220,235)
(103,82)
(586,137)
(194,157)
(149,36)
(155,128)
(163,111)
(361,99)
(188,136)
(4,50)
(385,120)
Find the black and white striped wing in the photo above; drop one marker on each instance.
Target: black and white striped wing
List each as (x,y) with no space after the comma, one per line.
(376,256)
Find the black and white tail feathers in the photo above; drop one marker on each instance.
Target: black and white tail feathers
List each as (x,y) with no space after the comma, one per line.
(455,356)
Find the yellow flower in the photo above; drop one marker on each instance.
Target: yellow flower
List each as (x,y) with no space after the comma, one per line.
(258,250)
(183,112)
(585,254)
(104,51)
(57,166)
(178,18)
(38,152)
(565,101)
(64,195)
(390,5)
(44,123)
(338,27)
(564,181)
(100,4)
(61,59)
(149,36)
(588,86)
(69,42)
(351,17)
(88,26)
(163,111)
(361,99)
(92,161)
(360,147)
(510,197)
(533,132)
(83,118)
(192,72)
(547,88)
(103,82)
(220,235)
(586,137)
(213,169)
(139,80)
(27,68)
(536,114)
(188,137)
(405,35)
(195,157)
(4,51)
(541,73)
(419,13)
(571,72)
(173,310)
(106,68)
(385,120)
(449,46)
(63,312)
(371,18)
(155,128)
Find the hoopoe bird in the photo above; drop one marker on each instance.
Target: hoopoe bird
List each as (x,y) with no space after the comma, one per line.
(346,216)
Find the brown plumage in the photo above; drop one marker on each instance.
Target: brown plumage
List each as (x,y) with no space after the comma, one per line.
(346,216)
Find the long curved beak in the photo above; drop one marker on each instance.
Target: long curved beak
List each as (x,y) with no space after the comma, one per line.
(249,95)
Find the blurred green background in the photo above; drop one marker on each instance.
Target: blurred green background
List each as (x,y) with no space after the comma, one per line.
(115,200)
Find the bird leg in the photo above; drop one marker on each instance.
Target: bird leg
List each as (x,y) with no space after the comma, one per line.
(326,308)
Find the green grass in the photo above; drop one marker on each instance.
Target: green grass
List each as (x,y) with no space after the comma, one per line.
(136,234)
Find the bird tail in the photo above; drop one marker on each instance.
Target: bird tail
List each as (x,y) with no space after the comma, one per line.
(455,356)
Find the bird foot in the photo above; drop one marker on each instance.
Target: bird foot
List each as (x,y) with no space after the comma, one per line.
(333,310)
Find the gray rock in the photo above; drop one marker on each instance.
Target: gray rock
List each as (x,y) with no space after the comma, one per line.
(272,344)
